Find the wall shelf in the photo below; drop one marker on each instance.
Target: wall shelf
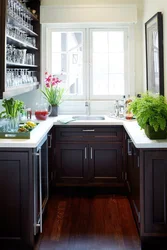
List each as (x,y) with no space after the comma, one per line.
(21,65)
(7,42)
(13,91)
(16,23)
(20,43)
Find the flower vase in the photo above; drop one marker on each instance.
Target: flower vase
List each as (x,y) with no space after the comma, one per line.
(54,111)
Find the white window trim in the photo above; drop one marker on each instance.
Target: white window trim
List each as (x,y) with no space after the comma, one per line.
(109,97)
(130,43)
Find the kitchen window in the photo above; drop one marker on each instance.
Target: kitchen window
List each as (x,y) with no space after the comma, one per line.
(92,62)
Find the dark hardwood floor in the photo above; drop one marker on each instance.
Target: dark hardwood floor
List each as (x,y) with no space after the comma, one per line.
(85,220)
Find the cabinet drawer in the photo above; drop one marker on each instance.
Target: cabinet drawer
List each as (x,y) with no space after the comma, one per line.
(89,133)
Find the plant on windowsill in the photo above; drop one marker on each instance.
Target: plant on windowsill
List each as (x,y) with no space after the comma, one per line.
(151,114)
(53,92)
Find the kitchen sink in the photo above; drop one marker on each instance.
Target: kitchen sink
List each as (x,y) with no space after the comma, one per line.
(88,117)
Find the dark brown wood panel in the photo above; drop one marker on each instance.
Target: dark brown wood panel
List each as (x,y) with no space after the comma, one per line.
(155,192)
(2,45)
(15,200)
(105,162)
(89,133)
(71,162)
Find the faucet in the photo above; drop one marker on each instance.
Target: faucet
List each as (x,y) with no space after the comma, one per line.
(87,105)
(116,108)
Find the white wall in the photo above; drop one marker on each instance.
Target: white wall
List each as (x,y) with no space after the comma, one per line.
(151,7)
(73,2)
(34,96)
(138,27)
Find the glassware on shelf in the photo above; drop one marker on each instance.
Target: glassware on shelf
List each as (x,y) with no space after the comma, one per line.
(20,77)
(20,56)
(19,13)
(19,34)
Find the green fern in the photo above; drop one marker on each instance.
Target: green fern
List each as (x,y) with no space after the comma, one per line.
(151,110)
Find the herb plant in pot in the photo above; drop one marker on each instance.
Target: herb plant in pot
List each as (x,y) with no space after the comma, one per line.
(151,114)
(53,92)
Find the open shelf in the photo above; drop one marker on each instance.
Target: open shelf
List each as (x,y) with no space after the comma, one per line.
(14,22)
(20,43)
(13,91)
(28,12)
(20,65)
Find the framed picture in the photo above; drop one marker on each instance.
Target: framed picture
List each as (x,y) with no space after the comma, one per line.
(154,54)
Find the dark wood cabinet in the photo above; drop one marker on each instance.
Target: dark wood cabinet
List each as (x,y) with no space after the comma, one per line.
(16,187)
(133,179)
(154,192)
(146,180)
(72,163)
(24,194)
(88,155)
(51,156)
(105,164)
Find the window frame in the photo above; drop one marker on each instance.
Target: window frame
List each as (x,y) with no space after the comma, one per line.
(87,30)
(109,97)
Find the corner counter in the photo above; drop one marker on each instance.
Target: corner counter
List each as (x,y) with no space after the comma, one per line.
(137,135)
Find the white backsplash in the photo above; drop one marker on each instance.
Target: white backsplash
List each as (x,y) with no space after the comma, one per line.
(68,107)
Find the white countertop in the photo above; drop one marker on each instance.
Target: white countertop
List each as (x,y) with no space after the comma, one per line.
(36,136)
(137,135)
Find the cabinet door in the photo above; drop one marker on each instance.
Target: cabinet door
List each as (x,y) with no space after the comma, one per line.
(133,179)
(72,162)
(105,162)
(16,198)
(154,191)
(51,156)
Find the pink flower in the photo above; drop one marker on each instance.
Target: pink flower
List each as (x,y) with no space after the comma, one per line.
(47,85)
(52,91)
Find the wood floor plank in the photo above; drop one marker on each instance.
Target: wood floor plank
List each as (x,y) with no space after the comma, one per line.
(85,221)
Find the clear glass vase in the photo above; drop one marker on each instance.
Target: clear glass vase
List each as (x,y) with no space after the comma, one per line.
(13,125)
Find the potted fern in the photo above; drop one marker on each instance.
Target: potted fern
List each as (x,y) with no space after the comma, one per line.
(151,115)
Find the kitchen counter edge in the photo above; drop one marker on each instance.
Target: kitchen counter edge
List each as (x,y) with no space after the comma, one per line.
(137,135)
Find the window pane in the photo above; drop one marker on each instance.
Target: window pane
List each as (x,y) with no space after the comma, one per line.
(100,41)
(67,58)
(100,63)
(116,41)
(75,84)
(116,63)
(108,63)
(100,86)
(56,42)
(116,84)
(56,63)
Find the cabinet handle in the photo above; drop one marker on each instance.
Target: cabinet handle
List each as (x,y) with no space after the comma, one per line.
(50,141)
(88,130)
(129,148)
(138,162)
(91,153)
(85,153)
